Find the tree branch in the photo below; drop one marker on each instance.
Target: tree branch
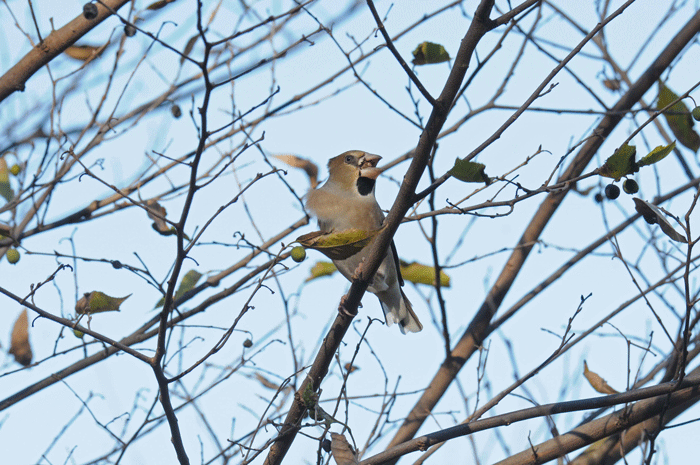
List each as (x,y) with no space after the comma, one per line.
(478,327)
(478,27)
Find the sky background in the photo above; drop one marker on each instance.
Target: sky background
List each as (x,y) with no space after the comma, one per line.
(328,124)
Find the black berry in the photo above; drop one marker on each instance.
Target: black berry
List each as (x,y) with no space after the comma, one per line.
(651,219)
(612,191)
(90,11)
(630,186)
(129,30)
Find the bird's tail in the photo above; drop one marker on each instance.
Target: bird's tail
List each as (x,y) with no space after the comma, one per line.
(402,313)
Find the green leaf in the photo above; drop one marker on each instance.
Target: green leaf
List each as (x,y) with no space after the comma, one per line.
(469,171)
(5,189)
(658,154)
(321,269)
(422,274)
(187,283)
(338,245)
(98,302)
(621,163)
(429,53)
(678,118)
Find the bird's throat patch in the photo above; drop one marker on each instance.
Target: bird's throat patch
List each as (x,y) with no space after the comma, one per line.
(365,185)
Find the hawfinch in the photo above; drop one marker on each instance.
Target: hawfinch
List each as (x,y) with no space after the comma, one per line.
(346,201)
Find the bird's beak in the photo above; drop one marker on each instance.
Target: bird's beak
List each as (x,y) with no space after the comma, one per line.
(368,166)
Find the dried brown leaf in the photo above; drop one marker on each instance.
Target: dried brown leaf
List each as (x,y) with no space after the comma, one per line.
(342,451)
(19,341)
(598,383)
(308,166)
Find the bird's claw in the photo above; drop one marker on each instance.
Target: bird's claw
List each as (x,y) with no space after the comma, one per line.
(357,275)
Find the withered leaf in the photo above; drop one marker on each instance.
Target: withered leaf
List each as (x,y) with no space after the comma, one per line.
(19,341)
(342,451)
(653,215)
(598,383)
(308,166)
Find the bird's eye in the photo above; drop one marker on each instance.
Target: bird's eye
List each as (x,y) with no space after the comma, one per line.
(349,159)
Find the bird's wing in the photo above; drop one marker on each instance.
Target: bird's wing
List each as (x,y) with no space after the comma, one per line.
(395,254)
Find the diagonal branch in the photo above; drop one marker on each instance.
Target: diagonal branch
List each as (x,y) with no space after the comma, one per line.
(651,402)
(397,55)
(477,29)
(55,44)
(478,327)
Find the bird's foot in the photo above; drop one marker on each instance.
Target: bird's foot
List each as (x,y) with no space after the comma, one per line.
(357,275)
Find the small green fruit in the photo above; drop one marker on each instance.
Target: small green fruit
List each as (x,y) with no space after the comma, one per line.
(298,254)
(612,191)
(15,169)
(79,334)
(13,256)
(630,186)
(696,113)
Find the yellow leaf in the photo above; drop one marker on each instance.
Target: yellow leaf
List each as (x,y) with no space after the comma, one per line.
(422,274)
(85,52)
(598,383)
(658,154)
(321,269)
(338,245)
(5,189)
(19,341)
(98,302)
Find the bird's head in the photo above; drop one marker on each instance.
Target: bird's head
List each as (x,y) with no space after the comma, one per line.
(354,169)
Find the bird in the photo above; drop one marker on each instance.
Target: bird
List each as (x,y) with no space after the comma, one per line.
(346,201)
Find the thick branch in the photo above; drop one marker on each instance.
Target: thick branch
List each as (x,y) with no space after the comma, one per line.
(55,44)
(651,402)
(478,328)
(479,26)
